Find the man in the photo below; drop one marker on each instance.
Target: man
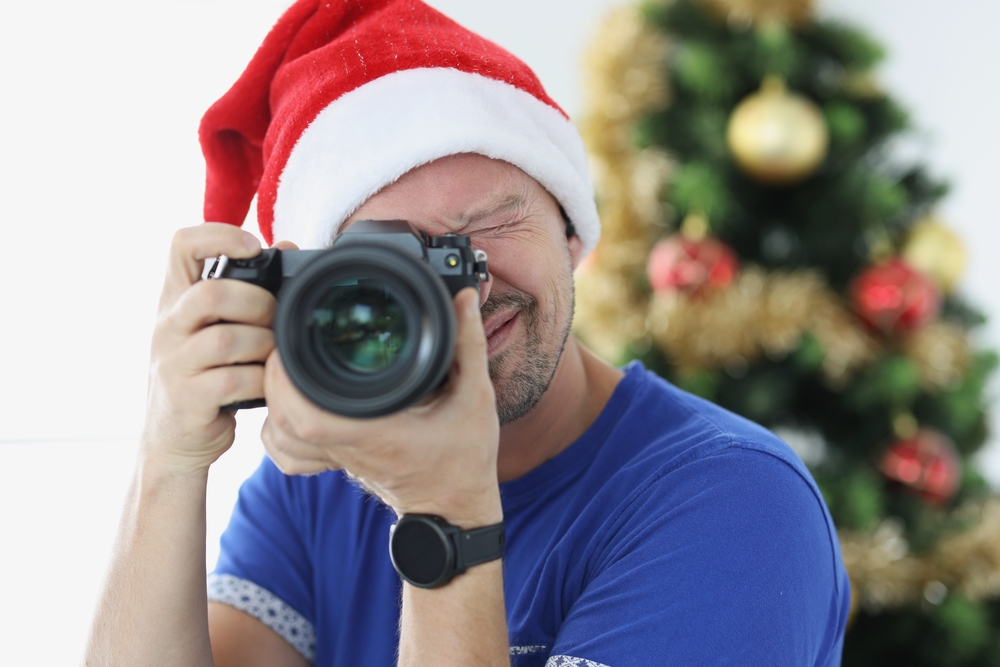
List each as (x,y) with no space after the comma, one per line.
(643,526)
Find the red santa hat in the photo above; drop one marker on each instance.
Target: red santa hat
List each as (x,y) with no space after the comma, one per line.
(344,97)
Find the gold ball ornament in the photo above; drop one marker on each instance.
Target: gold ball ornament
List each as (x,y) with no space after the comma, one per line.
(936,251)
(777,137)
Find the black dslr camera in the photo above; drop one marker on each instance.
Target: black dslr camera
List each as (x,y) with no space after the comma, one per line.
(366,327)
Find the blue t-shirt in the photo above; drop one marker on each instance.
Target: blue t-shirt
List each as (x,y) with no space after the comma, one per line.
(671,533)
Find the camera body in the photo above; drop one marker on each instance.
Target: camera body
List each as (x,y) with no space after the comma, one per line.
(366,327)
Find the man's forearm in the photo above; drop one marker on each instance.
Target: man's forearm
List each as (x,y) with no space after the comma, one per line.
(462,624)
(153,607)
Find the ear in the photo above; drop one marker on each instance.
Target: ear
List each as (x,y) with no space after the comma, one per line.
(575,249)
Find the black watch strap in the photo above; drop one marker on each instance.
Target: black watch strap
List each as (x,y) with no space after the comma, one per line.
(481,545)
(428,552)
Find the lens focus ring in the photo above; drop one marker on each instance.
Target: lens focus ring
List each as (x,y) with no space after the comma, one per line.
(365,330)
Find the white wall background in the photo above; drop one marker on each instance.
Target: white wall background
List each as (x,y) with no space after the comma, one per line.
(99,164)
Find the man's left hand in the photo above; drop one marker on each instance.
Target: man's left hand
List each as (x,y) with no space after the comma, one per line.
(436,457)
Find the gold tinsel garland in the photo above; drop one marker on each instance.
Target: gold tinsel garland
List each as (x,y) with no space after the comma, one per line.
(625,82)
(884,574)
(760,12)
(761,313)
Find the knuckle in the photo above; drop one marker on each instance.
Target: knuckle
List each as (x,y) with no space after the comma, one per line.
(209,294)
(228,382)
(267,432)
(170,323)
(257,301)
(203,302)
(277,420)
(311,431)
(183,240)
(273,440)
(165,372)
(223,339)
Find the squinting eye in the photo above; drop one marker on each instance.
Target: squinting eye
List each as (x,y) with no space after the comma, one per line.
(494,231)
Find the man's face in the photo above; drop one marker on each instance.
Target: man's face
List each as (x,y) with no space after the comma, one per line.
(527,306)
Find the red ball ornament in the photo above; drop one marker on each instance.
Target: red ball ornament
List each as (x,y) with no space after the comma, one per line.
(677,263)
(927,463)
(894,298)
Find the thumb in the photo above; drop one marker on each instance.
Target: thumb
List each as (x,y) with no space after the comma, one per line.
(470,341)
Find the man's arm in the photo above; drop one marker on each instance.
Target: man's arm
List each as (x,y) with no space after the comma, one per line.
(462,623)
(153,609)
(240,640)
(440,458)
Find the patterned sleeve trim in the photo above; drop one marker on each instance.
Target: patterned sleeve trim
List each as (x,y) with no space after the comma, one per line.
(528,650)
(569,661)
(267,608)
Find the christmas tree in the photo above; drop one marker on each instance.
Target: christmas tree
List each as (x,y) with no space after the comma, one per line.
(763,248)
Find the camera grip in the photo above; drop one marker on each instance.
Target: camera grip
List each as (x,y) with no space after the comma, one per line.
(245,405)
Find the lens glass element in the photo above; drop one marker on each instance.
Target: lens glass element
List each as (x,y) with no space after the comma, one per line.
(360,326)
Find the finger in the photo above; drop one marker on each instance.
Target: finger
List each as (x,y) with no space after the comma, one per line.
(470,341)
(285,245)
(193,245)
(211,301)
(290,455)
(297,414)
(226,385)
(285,403)
(225,345)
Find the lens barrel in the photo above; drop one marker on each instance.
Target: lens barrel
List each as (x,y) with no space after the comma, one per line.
(365,330)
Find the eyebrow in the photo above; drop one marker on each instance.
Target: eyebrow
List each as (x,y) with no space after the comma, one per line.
(507,204)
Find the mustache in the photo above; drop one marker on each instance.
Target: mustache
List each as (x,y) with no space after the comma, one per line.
(498,302)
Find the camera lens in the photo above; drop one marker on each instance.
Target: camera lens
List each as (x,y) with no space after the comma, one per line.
(361,326)
(365,329)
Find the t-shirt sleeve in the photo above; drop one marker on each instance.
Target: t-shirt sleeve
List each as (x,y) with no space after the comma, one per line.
(727,560)
(263,567)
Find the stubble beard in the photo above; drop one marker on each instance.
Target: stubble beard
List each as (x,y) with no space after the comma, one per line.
(524,370)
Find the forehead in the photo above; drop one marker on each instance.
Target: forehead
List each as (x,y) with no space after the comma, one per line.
(452,189)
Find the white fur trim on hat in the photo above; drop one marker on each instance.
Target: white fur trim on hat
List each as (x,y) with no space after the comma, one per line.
(371,136)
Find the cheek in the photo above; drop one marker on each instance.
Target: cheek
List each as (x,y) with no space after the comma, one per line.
(541,269)
(523,266)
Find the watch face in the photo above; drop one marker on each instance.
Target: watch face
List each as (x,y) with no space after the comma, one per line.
(420,552)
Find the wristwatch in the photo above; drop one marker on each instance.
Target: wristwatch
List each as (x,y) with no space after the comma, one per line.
(428,552)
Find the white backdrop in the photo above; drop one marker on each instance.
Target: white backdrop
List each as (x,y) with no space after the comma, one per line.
(100,164)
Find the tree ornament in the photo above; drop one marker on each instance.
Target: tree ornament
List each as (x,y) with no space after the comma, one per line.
(937,251)
(926,463)
(941,353)
(777,137)
(680,264)
(894,298)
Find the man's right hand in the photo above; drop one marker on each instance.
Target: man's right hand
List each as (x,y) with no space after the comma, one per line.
(209,345)
(210,341)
